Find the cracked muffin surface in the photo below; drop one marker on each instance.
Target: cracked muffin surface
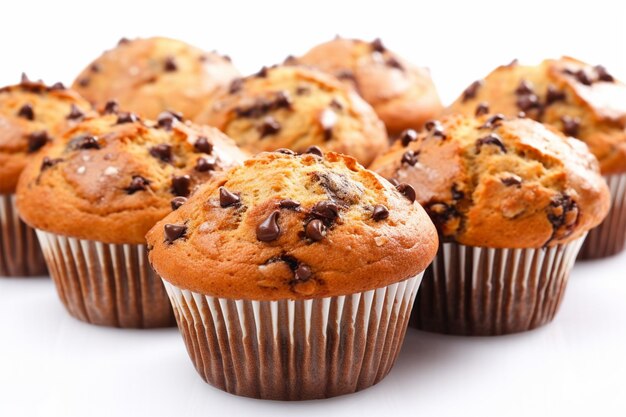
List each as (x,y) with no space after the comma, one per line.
(497,182)
(288,226)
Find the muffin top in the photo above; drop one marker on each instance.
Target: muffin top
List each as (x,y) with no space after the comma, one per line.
(580,100)
(152,75)
(287,226)
(31,115)
(500,183)
(291,107)
(111,177)
(402,94)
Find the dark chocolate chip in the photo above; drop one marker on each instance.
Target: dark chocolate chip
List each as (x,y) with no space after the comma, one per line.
(123,41)
(228,199)
(169,65)
(441,213)
(377,45)
(563,213)
(335,104)
(302,273)
(95,67)
(290,60)
(84,82)
(302,90)
(111,107)
(203,145)
(137,183)
(269,126)
(493,121)
(174,232)
(269,230)
(409,158)
(393,181)
(49,162)
(315,230)
(162,151)
(285,151)
(407,191)
(511,180)
(288,204)
(235,85)
(491,139)
(408,136)
(603,74)
(37,140)
(205,164)
(527,102)
(482,109)
(582,77)
(177,202)
(325,210)
(392,62)
(75,113)
(58,86)
(314,150)
(571,125)
(282,100)
(456,193)
(471,91)
(181,185)
(126,117)
(84,142)
(380,212)
(524,88)
(165,120)
(345,75)
(262,73)
(26,112)
(24,79)
(553,95)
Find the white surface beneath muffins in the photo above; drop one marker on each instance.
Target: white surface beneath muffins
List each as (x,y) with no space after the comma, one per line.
(54,365)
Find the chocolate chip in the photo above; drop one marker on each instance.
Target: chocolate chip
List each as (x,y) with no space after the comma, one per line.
(203,145)
(177,202)
(288,204)
(325,210)
(37,140)
(302,90)
(75,113)
(511,180)
(314,150)
(482,109)
(582,77)
(84,142)
(571,125)
(49,163)
(162,151)
(111,107)
(169,64)
(491,139)
(524,88)
(123,41)
(26,112)
(205,164)
(407,137)
(138,183)
(456,193)
(527,102)
(394,63)
(84,82)
(493,121)
(269,126)
(257,109)
(603,74)
(315,230)
(441,213)
(235,86)
(393,181)
(282,100)
(377,45)
(165,120)
(345,75)
(380,212)
(471,91)
(335,104)
(174,232)
(553,95)
(262,73)
(269,230)
(24,79)
(302,273)
(407,191)
(126,117)
(285,151)
(290,60)
(181,185)
(228,199)
(563,215)
(409,157)
(328,118)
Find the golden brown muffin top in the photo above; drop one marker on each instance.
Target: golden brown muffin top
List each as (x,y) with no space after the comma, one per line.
(581,100)
(152,75)
(32,115)
(500,183)
(292,107)
(286,226)
(111,177)
(402,94)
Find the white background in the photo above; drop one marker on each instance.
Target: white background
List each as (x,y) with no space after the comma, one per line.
(53,365)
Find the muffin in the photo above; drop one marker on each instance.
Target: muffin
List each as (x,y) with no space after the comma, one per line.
(581,100)
(152,75)
(94,194)
(294,108)
(31,115)
(402,94)
(512,200)
(293,276)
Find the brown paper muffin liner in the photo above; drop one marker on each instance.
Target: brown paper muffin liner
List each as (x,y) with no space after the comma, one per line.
(20,254)
(486,292)
(609,237)
(295,350)
(106,284)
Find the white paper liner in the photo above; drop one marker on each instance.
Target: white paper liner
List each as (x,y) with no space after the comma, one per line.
(106,284)
(20,254)
(609,237)
(295,350)
(485,292)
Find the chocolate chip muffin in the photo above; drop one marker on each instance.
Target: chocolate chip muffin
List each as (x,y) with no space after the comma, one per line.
(292,107)
(32,114)
(501,192)
(581,100)
(402,94)
(152,75)
(94,194)
(306,255)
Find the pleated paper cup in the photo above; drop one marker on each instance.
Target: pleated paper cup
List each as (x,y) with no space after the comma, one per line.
(106,284)
(610,237)
(20,254)
(477,291)
(295,350)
